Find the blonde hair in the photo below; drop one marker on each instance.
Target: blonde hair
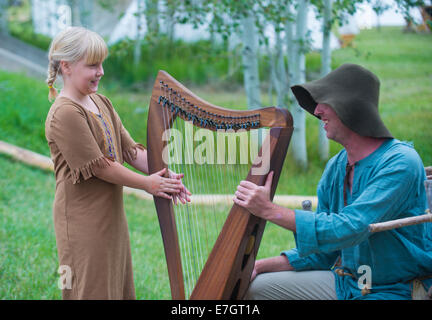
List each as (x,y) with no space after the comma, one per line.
(73,44)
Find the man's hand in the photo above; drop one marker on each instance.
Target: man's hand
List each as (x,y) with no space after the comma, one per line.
(255,198)
(273,264)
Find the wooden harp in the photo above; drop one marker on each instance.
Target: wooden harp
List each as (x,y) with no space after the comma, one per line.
(226,272)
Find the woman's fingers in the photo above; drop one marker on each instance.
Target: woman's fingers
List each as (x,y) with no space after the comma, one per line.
(164,195)
(174,186)
(161,172)
(187,191)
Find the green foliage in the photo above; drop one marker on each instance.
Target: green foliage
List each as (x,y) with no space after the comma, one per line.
(201,62)
(24,31)
(405,76)
(405,100)
(28,258)
(24,104)
(21,26)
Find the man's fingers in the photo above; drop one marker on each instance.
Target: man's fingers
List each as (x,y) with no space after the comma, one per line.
(243,189)
(240,195)
(239,202)
(248,184)
(269,180)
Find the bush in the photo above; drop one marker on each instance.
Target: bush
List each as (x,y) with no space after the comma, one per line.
(200,63)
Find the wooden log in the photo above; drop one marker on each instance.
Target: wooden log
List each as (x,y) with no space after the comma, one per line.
(398,223)
(45,163)
(27,156)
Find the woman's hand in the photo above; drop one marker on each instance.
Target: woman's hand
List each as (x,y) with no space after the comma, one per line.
(164,187)
(184,194)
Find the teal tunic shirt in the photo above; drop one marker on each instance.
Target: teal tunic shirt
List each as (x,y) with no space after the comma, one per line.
(388,184)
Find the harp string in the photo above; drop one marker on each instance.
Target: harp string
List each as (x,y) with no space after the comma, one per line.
(191,240)
(199,225)
(186,263)
(187,244)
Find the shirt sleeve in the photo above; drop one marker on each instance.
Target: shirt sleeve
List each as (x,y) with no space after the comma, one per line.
(383,198)
(71,133)
(316,261)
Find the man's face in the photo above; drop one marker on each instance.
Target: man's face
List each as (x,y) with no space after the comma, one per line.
(334,127)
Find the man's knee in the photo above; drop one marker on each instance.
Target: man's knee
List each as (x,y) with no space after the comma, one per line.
(271,286)
(258,288)
(292,285)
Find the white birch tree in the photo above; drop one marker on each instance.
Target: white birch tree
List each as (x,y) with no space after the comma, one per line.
(290,17)
(152,17)
(4,29)
(139,18)
(250,61)
(298,65)
(323,143)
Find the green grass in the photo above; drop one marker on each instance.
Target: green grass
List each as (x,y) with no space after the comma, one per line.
(28,254)
(28,257)
(402,62)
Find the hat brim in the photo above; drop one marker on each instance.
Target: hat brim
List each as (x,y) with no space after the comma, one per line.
(304,98)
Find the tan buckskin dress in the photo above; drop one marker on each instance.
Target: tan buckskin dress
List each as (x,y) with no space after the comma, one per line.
(90,224)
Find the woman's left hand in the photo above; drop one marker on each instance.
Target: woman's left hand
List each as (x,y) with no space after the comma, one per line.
(184,194)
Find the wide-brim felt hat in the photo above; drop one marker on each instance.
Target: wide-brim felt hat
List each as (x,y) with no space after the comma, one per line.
(353,93)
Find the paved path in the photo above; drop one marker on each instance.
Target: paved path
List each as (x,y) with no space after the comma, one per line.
(18,56)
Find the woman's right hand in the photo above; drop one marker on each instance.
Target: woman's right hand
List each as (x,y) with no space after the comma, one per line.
(162,187)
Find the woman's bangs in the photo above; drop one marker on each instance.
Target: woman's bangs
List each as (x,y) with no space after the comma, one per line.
(97,50)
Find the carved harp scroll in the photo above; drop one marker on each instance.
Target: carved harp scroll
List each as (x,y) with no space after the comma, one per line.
(229,265)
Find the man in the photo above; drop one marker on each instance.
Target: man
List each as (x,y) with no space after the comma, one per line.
(374,178)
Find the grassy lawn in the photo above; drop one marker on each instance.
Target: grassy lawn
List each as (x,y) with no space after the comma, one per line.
(28,256)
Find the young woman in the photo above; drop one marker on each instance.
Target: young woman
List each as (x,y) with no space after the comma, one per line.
(88,145)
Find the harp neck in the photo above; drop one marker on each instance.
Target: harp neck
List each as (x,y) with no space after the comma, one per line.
(181,102)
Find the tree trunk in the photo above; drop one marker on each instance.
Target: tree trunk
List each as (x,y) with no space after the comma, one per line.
(272,73)
(250,62)
(75,12)
(137,48)
(298,140)
(289,41)
(169,21)
(152,18)
(281,84)
(85,12)
(323,143)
